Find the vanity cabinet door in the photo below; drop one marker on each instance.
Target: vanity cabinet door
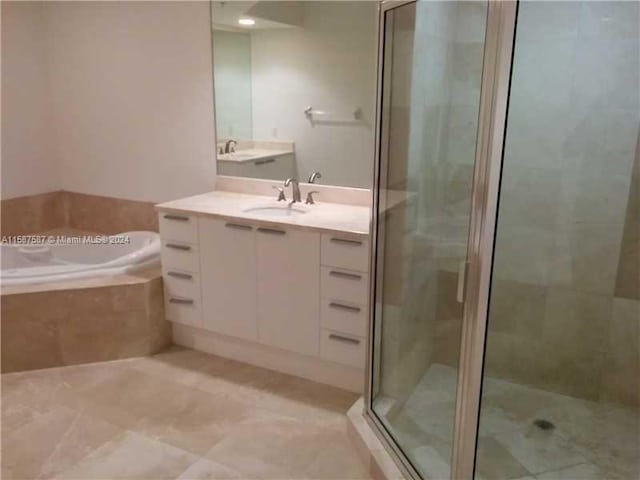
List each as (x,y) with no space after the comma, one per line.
(228,277)
(288,289)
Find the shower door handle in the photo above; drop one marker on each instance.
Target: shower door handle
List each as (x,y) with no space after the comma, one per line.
(462,280)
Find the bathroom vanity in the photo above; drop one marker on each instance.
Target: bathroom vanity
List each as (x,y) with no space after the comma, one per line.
(271,283)
(280,285)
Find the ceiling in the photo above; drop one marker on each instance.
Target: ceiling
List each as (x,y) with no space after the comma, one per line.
(267,15)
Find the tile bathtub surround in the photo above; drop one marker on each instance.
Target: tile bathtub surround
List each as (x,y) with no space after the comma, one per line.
(109,215)
(217,419)
(34,213)
(62,209)
(79,323)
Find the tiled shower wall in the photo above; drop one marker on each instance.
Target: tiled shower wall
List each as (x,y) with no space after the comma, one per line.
(565,306)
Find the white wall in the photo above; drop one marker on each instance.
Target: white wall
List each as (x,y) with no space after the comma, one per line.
(27,162)
(131,95)
(232,75)
(330,64)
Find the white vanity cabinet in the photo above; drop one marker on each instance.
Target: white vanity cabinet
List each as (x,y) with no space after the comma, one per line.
(287,288)
(228,279)
(262,292)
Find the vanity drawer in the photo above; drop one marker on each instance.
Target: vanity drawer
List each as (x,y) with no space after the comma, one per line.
(180,255)
(346,285)
(343,317)
(351,253)
(342,348)
(181,284)
(178,226)
(182,309)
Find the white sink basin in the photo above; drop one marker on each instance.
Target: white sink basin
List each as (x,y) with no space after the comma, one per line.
(275,211)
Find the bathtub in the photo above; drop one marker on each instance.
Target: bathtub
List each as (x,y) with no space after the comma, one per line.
(47,259)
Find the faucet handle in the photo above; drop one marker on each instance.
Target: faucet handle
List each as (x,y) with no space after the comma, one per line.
(310,200)
(281,196)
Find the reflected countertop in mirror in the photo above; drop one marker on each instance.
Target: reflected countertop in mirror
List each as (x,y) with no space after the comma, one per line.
(251,151)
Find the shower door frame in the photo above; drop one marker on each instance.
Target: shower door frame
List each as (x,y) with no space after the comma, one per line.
(494,95)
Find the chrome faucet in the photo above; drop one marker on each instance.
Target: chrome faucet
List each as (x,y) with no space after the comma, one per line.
(295,189)
(314,176)
(228,147)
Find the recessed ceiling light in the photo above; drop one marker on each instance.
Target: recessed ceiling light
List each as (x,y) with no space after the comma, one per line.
(247,21)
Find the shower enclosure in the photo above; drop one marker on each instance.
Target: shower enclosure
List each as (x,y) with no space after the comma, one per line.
(505,340)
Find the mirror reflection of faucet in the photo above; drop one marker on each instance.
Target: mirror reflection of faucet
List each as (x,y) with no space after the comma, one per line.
(314,176)
(230,146)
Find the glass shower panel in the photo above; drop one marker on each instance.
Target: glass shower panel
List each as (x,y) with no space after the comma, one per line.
(432,65)
(561,386)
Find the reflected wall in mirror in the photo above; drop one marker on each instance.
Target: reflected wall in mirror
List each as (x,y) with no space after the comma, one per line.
(295,86)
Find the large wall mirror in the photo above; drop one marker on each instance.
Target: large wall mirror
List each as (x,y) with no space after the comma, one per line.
(295,86)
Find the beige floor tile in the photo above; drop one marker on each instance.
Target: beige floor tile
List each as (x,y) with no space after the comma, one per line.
(153,417)
(131,456)
(274,446)
(35,389)
(51,442)
(182,366)
(205,469)
(15,415)
(196,422)
(182,416)
(60,386)
(337,459)
(229,378)
(310,401)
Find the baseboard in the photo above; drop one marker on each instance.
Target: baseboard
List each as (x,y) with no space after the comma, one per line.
(312,368)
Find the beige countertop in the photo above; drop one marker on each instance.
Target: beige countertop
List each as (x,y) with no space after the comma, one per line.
(251,155)
(327,217)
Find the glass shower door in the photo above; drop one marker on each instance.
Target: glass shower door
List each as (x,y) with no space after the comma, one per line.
(432,62)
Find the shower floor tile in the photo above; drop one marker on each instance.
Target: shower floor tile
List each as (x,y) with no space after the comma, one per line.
(587,440)
(180,414)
